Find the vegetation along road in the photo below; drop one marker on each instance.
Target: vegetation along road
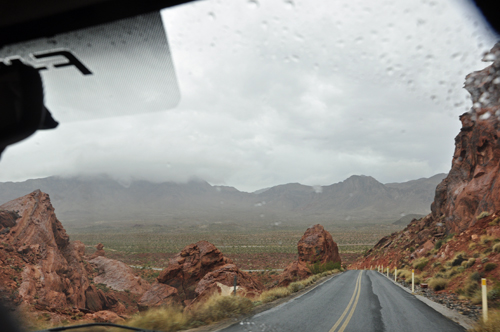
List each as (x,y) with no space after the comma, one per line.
(352,301)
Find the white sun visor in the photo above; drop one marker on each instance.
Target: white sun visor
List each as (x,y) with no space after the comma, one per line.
(120,68)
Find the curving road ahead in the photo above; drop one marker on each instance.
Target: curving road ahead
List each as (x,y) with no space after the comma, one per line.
(353,301)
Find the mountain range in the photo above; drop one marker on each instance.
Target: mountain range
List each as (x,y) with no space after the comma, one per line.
(87,200)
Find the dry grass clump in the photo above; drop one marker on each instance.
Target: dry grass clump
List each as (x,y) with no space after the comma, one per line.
(274,294)
(482,215)
(489,267)
(221,307)
(420,263)
(496,248)
(438,283)
(173,318)
(161,319)
(404,274)
(492,325)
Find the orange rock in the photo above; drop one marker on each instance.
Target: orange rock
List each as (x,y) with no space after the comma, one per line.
(104,316)
(158,295)
(221,281)
(118,276)
(315,246)
(188,267)
(99,252)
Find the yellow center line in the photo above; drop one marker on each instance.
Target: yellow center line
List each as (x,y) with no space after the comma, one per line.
(352,309)
(356,289)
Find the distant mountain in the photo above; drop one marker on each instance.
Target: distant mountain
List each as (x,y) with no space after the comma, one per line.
(405,220)
(86,200)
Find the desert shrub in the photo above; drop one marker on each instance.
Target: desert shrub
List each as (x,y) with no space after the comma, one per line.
(470,288)
(102,287)
(484,259)
(470,262)
(489,267)
(438,283)
(436,264)
(476,255)
(318,267)
(485,239)
(162,319)
(274,294)
(477,297)
(482,215)
(420,263)
(294,287)
(221,307)
(472,245)
(458,259)
(412,249)
(438,244)
(405,274)
(496,248)
(452,272)
(492,325)
(475,276)
(494,294)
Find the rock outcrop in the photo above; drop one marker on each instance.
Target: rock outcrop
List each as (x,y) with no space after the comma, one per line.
(221,281)
(472,186)
(315,246)
(53,274)
(188,267)
(467,201)
(118,276)
(199,271)
(159,295)
(99,251)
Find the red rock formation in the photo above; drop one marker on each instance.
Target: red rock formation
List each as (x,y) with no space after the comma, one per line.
(54,275)
(472,186)
(99,252)
(315,246)
(187,268)
(158,295)
(221,281)
(118,276)
(471,191)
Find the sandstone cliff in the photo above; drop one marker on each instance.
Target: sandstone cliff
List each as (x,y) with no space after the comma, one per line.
(466,208)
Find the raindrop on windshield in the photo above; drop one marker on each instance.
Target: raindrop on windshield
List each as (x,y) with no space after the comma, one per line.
(289,4)
(211,15)
(253,3)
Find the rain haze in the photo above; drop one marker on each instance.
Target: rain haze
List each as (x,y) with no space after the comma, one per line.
(275,92)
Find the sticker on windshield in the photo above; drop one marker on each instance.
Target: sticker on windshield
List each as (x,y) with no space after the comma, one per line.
(120,68)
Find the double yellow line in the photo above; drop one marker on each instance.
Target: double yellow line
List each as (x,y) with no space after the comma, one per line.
(357,290)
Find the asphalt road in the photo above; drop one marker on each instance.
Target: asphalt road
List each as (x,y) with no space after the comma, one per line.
(353,301)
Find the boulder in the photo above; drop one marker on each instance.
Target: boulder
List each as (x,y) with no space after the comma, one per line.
(99,252)
(221,281)
(315,246)
(118,276)
(188,267)
(158,295)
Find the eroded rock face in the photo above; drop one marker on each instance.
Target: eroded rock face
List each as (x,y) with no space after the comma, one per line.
(54,274)
(158,295)
(469,197)
(472,186)
(315,246)
(187,268)
(221,281)
(118,276)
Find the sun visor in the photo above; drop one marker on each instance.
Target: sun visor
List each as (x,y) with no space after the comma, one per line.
(120,68)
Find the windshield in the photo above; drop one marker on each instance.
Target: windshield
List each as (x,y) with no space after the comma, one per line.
(285,114)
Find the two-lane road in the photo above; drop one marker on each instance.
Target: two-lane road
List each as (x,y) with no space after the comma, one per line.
(353,301)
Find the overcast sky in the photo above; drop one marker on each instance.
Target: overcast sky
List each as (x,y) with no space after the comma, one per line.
(274,92)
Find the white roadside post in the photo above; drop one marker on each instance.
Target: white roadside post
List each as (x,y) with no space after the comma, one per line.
(382,271)
(387,272)
(395,274)
(413,281)
(485,300)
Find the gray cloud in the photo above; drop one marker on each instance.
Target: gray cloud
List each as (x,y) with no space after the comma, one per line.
(276,93)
